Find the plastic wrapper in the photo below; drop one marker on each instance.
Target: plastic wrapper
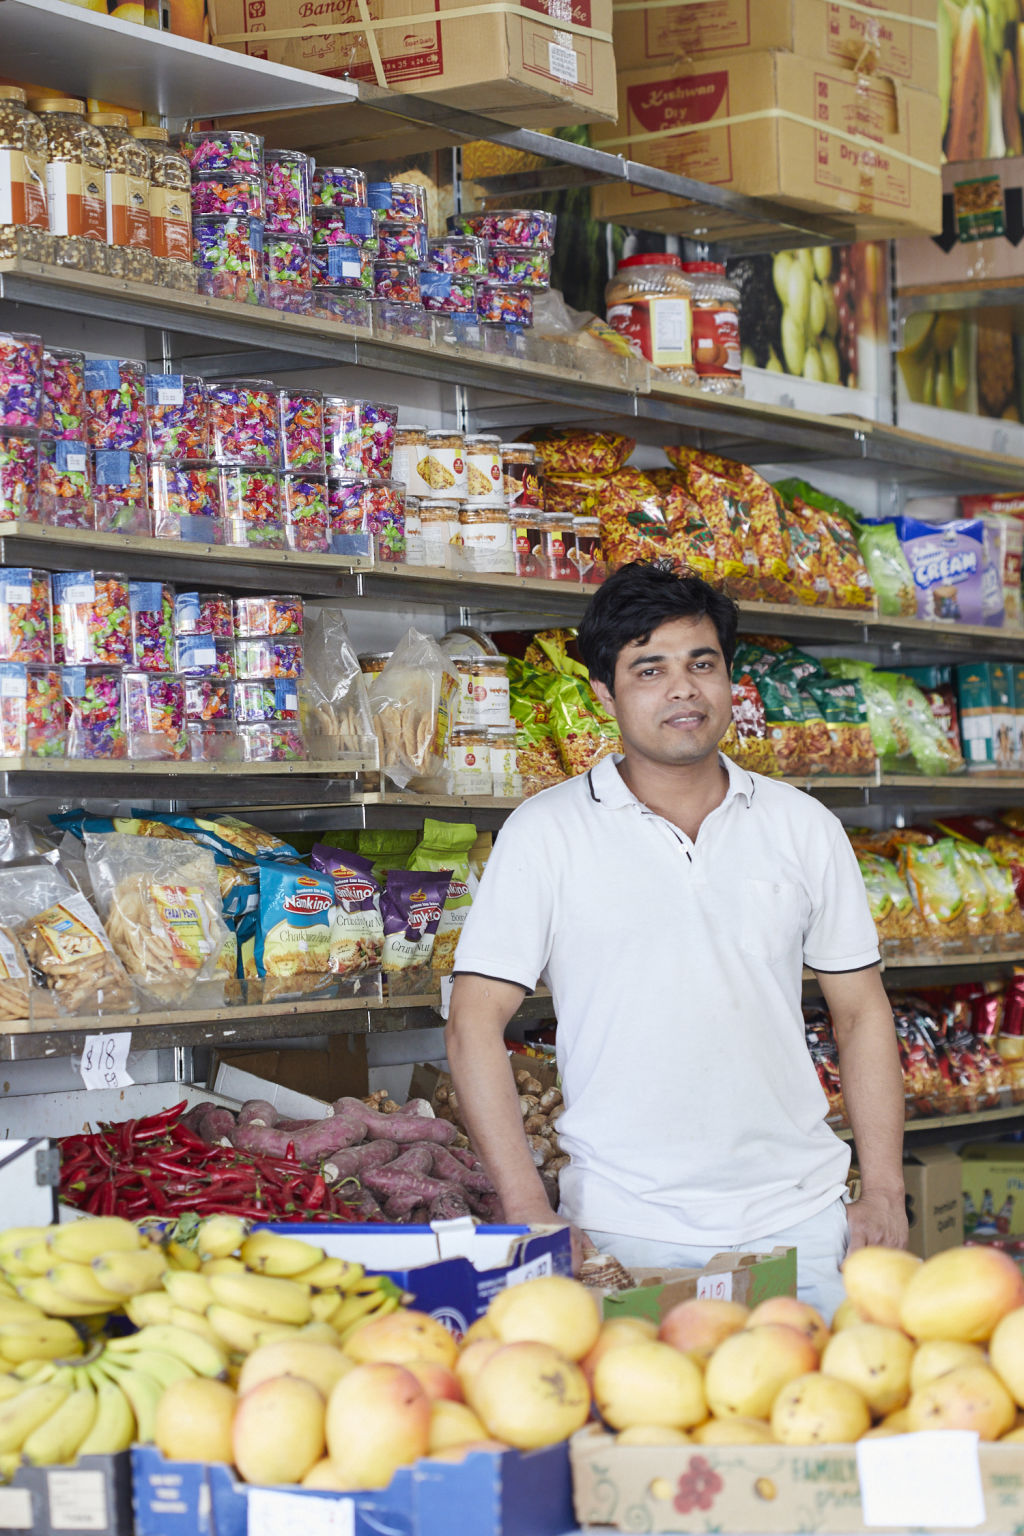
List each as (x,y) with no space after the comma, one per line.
(22,999)
(115,404)
(25,615)
(924,1085)
(729,493)
(120,491)
(153,706)
(842,707)
(888,569)
(71,959)
(837,560)
(92,697)
(974,1069)
(228,258)
(64,496)
(931,875)
(899,924)
(583,732)
(335,707)
(411,907)
(63,408)
(413,702)
(18,474)
(445,850)
(574,451)
(161,904)
(293,933)
(928,743)
(95,617)
(357,928)
(152,615)
(824,1054)
(747,740)
(177,417)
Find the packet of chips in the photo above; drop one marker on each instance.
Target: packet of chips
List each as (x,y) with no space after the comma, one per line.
(292,942)
(445,848)
(411,907)
(357,929)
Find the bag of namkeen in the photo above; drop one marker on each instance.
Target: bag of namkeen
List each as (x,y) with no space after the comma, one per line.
(73,967)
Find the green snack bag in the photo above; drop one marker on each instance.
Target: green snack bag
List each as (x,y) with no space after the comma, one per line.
(929,745)
(887,566)
(445,848)
(583,737)
(388,847)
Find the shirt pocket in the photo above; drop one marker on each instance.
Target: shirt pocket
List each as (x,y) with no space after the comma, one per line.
(773,916)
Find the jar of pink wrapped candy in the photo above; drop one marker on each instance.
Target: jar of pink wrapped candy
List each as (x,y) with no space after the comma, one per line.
(288,179)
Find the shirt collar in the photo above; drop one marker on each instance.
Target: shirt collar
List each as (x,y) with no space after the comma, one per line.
(608,788)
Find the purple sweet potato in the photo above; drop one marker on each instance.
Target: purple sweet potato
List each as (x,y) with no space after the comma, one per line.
(326,1136)
(400,1183)
(420,1107)
(266,1140)
(415,1159)
(349,1163)
(362,1202)
(469,1159)
(448,1207)
(400,1207)
(217,1125)
(257,1112)
(191,1118)
(445,1166)
(409,1128)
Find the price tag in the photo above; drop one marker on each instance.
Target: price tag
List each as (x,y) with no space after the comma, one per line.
(342,262)
(104,1061)
(531,1270)
(13,680)
(286,697)
(16,585)
(16,1509)
(929,1479)
(195,529)
(256,234)
(447,983)
(196,653)
(103,373)
(70,457)
(295,1514)
(358,222)
(165,389)
(73,681)
(113,466)
(715,1287)
(78,1501)
(436,285)
(74,587)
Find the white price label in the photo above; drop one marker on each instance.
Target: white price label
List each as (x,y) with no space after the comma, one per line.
(532,1270)
(15,1509)
(295,1514)
(78,1501)
(104,1061)
(172,396)
(928,1479)
(563,64)
(447,983)
(18,594)
(715,1287)
(13,682)
(75,463)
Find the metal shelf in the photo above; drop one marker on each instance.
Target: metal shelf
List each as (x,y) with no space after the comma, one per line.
(200,783)
(939,1123)
(88,54)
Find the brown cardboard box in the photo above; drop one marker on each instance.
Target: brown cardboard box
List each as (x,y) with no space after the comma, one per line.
(335,1073)
(765,1488)
(523,61)
(934,1200)
(779,126)
(904,44)
(974,256)
(744,1277)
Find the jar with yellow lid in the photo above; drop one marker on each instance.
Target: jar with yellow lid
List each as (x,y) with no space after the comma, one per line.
(439,525)
(486,540)
(170,210)
(76,194)
(650,302)
(22,163)
(129,233)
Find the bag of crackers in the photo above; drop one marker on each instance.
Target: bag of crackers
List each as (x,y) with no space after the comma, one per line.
(162,908)
(335,710)
(413,703)
(71,964)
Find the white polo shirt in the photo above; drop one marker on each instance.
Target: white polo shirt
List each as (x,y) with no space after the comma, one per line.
(693,1113)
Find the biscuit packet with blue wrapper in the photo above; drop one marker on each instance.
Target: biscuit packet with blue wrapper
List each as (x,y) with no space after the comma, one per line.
(292,948)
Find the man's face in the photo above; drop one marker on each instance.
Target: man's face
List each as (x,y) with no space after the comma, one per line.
(673,697)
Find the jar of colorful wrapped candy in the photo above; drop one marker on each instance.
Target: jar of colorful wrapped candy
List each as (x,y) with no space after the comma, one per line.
(399,202)
(269,656)
(204,613)
(345,306)
(213,741)
(21,379)
(343,438)
(177,417)
(349,517)
(251,505)
(224,194)
(448,293)
(508,226)
(245,422)
(207,698)
(203,656)
(402,242)
(185,502)
(377,424)
(302,430)
(384,501)
(345,243)
(64,494)
(153,708)
(398,281)
(265,699)
(286,265)
(19,473)
(120,491)
(288,178)
(63,405)
(95,617)
(31,710)
(223,149)
(25,615)
(115,403)
(527,265)
(271,742)
(92,697)
(306,518)
(152,613)
(228,256)
(505,304)
(268,614)
(338,186)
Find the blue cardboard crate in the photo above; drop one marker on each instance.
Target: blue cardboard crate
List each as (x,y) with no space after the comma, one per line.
(452,1269)
(94,1495)
(496,1493)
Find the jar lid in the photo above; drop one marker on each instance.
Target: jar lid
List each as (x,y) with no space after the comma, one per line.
(507,449)
(483,437)
(107,119)
(148,131)
(715,268)
(446,432)
(58,104)
(13,93)
(410,431)
(652,259)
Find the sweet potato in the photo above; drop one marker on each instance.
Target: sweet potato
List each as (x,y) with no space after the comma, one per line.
(467,1157)
(191,1118)
(318,1141)
(257,1112)
(348,1163)
(417,1159)
(416,1107)
(449,1207)
(399,1183)
(397,1127)
(400,1208)
(217,1125)
(362,1202)
(446,1166)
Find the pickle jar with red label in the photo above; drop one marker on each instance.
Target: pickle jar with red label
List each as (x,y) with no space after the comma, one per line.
(76,190)
(716,328)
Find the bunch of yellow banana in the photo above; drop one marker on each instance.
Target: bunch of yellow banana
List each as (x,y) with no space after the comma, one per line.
(81,1269)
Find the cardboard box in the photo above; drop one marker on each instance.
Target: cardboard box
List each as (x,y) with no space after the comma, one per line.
(934,1200)
(988,726)
(971,251)
(765,1488)
(94,1495)
(898,40)
(452,1268)
(812,136)
(992,1178)
(520,62)
(744,1277)
(511,1493)
(316,1077)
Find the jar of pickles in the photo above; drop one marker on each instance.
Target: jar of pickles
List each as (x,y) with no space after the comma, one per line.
(23,147)
(76,167)
(170,209)
(485,540)
(556,543)
(129,234)
(524,486)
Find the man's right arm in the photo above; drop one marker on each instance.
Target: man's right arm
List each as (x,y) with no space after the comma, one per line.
(481,1008)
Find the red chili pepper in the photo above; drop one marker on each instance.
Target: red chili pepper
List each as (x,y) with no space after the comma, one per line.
(108,1196)
(289,1153)
(186,1138)
(126,1139)
(317,1193)
(158,1125)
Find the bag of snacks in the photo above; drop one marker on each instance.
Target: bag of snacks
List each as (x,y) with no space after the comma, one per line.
(64,942)
(161,905)
(931,875)
(842,706)
(336,716)
(927,742)
(357,929)
(574,451)
(887,567)
(1005,926)
(747,741)
(411,907)
(784,722)
(824,1054)
(924,1085)
(387,848)
(633,521)
(292,942)
(583,731)
(445,849)
(892,908)
(974,1070)
(413,702)
(842,565)
(223,834)
(725,488)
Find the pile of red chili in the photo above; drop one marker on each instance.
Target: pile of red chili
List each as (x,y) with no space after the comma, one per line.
(156,1166)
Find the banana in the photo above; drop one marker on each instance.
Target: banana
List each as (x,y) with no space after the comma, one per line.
(78,1282)
(9,1464)
(31,1258)
(10,1386)
(14,1310)
(270,1253)
(261,1296)
(162,1367)
(220,1236)
(143,1393)
(7,1289)
(51,1338)
(130,1274)
(180,1257)
(241,1333)
(43,1294)
(391,1304)
(356,1308)
(55,1442)
(150,1307)
(20,1415)
(331,1275)
(324,1304)
(193,1292)
(192,1322)
(36,1371)
(202,1357)
(225,1266)
(85,1240)
(14,1237)
(113,1428)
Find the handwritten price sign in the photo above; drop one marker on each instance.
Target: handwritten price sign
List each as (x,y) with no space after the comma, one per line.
(715,1287)
(104,1061)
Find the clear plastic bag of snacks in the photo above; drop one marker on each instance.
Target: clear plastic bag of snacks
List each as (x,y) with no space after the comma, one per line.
(413,702)
(333,699)
(71,958)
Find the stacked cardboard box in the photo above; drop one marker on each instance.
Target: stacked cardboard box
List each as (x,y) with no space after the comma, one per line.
(825,108)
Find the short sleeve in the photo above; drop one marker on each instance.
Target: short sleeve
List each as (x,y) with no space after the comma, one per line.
(508,931)
(841,934)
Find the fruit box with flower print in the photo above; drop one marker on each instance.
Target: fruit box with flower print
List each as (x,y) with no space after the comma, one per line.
(808,1489)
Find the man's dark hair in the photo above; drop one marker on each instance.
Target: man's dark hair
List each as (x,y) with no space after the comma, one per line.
(635,600)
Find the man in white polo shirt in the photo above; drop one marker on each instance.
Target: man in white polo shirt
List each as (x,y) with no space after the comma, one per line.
(670,900)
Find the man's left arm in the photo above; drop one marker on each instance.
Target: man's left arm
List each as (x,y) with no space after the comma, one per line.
(869,1068)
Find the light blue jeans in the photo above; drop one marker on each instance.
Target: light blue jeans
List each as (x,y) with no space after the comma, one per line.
(820,1244)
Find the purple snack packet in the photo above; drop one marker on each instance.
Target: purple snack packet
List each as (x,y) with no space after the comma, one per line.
(357,930)
(411,908)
